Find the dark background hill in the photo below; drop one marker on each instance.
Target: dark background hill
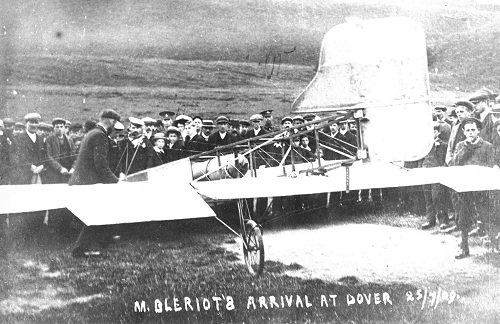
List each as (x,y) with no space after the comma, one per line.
(53,50)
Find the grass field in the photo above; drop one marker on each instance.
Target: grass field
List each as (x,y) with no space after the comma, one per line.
(46,285)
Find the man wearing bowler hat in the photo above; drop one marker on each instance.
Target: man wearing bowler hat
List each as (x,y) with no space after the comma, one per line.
(92,167)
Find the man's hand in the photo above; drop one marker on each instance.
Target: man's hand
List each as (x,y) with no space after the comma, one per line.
(71,171)
(64,171)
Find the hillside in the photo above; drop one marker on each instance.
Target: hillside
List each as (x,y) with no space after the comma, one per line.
(141,55)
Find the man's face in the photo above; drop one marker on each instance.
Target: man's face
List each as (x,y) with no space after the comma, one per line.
(166,122)
(73,133)
(343,126)
(222,127)
(287,124)
(297,122)
(197,124)
(58,129)
(481,107)
(256,124)
(439,114)
(296,142)
(206,130)
(149,128)
(244,130)
(160,143)
(134,130)
(334,127)
(32,126)
(462,113)
(471,132)
(18,130)
(66,129)
(172,137)
(304,141)
(191,129)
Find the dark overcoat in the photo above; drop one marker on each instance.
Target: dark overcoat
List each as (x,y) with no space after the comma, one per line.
(92,164)
(58,159)
(25,153)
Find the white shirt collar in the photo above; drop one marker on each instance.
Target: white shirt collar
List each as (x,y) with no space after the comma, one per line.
(32,136)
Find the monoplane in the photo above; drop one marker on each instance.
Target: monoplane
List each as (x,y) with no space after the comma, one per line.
(372,72)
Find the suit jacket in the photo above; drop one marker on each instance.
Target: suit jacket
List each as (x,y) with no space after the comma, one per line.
(480,153)
(195,145)
(251,133)
(135,159)
(57,159)
(175,153)
(92,164)
(25,154)
(158,159)
(216,140)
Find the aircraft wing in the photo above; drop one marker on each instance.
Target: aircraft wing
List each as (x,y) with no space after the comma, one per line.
(28,198)
(105,204)
(470,178)
(361,176)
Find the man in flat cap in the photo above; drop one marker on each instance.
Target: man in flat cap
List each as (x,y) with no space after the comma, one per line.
(136,150)
(440,113)
(28,152)
(28,162)
(244,125)
(61,156)
(222,136)
(92,166)
(471,151)
(463,109)
(149,128)
(257,128)
(44,130)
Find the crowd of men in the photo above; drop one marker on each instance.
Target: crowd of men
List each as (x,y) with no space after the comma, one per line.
(34,152)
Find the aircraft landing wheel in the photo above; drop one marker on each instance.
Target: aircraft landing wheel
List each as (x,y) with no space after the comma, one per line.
(253,248)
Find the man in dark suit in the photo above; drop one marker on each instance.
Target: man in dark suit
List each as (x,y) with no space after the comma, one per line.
(136,152)
(257,129)
(61,156)
(194,143)
(28,152)
(222,136)
(92,166)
